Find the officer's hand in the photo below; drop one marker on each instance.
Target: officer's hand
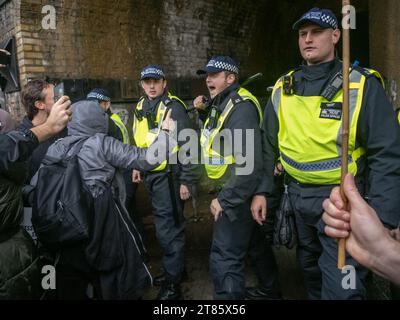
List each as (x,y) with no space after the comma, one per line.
(259,208)
(168,124)
(198,103)
(136,177)
(278,169)
(216,209)
(366,234)
(184,192)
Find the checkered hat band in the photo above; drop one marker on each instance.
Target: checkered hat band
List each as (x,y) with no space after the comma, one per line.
(152,71)
(98,96)
(223,65)
(328,19)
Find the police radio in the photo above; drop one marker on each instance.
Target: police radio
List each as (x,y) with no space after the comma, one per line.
(333,87)
(336,83)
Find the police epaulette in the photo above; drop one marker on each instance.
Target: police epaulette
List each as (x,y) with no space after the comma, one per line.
(363,71)
(293,70)
(179,102)
(236,98)
(167,101)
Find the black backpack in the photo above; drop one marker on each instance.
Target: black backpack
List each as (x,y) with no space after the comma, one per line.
(61,203)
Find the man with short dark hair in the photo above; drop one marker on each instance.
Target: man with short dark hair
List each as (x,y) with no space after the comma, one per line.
(38,99)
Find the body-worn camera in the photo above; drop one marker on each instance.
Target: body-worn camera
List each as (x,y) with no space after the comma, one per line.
(288,85)
(151,121)
(213,118)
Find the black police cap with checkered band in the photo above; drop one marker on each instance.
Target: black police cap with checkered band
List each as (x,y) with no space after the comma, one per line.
(152,72)
(218,64)
(325,18)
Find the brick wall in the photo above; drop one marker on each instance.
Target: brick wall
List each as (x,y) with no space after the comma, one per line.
(9,27)
(114,40)
(100,39)
(108,42)
(9,19)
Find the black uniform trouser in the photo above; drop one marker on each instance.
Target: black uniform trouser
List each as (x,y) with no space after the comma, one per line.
(170,235)
(264,262)
(317,253)
(231,239)
(260,251)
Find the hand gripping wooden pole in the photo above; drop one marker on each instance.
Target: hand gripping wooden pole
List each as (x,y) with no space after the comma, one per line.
(345,124)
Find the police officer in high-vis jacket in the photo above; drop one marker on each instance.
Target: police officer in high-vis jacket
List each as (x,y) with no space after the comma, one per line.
(116,127)
(302,129)
(229,112)
(167,184)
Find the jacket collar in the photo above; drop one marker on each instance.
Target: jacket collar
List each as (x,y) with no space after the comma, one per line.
(319,71)
(221,99)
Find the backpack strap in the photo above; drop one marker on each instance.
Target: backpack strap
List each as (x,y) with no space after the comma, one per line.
(49,160)
(77,148)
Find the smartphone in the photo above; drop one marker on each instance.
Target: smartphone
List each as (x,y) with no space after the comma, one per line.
(58,91)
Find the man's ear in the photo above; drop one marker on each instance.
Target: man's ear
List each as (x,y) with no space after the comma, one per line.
(336,36)
(231,78)
(164,84)
(39,105)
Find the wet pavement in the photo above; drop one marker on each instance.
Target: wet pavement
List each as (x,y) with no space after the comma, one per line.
(198,285)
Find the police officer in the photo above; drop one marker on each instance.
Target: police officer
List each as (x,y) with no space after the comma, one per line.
(117,128)
(230,110)
(302,127)
(168,184)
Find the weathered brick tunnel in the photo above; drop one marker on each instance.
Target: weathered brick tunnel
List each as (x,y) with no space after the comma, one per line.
(106,43)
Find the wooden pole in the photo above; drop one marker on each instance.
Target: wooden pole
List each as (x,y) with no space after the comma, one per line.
(345,126)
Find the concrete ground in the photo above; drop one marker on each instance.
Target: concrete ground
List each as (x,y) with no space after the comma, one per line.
(198,286)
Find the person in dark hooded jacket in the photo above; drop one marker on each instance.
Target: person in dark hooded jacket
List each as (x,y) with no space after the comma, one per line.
(19,264)
(111,260)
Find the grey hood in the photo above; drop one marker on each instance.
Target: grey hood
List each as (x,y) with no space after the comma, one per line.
(88,118)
